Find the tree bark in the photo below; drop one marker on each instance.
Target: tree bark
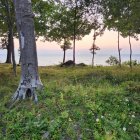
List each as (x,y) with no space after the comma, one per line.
(9,50)
(74,32)
(93,59)
(30,81)
(130,52)
(13,52)
(64,55)
(93,49)
(119,50)
(74,49)
(10,34)
(10,47)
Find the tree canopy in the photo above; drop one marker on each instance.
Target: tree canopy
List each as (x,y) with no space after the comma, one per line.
(122,16)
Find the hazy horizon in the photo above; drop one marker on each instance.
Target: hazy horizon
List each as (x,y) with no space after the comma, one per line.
(55,57)
(107,43)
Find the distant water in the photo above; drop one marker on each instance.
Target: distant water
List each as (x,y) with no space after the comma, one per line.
(54,57)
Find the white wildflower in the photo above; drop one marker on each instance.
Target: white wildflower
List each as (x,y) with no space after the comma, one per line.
(107,133)
(97,120)
(124,129)
(38,115)
(70,120)
(133,116)
(102,117)
(126,100)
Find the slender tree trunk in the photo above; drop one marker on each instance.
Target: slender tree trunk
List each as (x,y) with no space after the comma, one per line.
(119,50)
(10,47)
(64,55)
(9,24)
(93,59)
(9,50)
(93,49)
(74,31)
(130,52)
(13,52)
(30,81)
(11,44)
(74,49)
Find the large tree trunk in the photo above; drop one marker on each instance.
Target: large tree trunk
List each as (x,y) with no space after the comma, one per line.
(30,80)
(119,50)
(130,52)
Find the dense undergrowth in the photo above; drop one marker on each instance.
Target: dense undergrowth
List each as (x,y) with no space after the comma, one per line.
(81,103)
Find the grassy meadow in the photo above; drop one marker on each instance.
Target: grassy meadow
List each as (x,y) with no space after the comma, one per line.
(81,103)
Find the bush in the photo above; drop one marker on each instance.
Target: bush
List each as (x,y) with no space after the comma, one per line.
(133,62)
(112,61)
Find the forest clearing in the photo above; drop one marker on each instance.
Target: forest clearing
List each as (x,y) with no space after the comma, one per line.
(73,100)
(77,103)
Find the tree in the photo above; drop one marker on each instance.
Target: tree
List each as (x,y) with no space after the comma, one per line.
(64,47)
(45,13)
(30,81)
(98,31)
(67,19)
(112,61)
(93,50)
(112,11)
(7,28)
(81,25)
(130,22)
(124,17)
(93,10)
(3,43)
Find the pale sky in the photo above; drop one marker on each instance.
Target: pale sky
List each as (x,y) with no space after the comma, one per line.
(106,42)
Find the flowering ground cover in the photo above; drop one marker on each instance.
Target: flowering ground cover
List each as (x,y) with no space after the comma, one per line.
(80,103)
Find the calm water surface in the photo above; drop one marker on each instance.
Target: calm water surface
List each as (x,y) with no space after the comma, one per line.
(54,57)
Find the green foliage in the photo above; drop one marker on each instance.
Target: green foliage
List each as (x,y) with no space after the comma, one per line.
(123,16)
(94,48)
(112,61)
(76,103)
(3,43)
(133,63)
(7,16)
(55,20)
(66,45)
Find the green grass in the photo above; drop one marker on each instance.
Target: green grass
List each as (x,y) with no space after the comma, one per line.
(82,103)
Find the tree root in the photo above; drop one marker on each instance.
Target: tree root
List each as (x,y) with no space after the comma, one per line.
(24,92)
